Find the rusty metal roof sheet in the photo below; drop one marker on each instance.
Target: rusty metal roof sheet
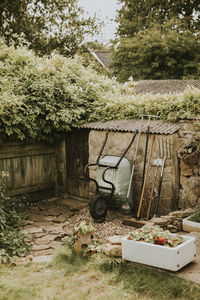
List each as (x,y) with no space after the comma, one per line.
(132,125)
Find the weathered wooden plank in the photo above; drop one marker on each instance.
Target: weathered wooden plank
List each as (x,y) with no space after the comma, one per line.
(76,160)
(10,153)
(31,168)
(31,189)
(25,145)
(77,187)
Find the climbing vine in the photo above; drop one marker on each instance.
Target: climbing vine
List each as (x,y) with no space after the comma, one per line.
(42,98)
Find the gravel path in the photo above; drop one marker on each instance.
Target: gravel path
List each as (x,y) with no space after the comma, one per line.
(51,221)
(111,226)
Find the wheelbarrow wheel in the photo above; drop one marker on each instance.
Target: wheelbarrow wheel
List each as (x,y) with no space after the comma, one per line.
(98,208)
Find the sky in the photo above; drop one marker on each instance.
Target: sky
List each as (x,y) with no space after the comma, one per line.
(106,10)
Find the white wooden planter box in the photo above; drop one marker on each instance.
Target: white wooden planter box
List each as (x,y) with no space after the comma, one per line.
(159,256)
(190,226)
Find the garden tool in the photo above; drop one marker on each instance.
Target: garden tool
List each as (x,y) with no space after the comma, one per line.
(146,147)
(160,185)
(135,154)
(157,162)
(164,148)
(145,177)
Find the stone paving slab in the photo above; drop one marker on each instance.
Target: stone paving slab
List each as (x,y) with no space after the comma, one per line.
(73,205)
(45,234)
(48,225)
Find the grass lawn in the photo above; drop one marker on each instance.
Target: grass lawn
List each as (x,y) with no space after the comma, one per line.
(101,277)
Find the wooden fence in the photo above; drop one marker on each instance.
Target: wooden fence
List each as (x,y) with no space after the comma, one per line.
(31,169)
(41,171)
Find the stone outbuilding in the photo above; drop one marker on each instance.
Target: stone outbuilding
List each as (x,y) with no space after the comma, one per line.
(181,180)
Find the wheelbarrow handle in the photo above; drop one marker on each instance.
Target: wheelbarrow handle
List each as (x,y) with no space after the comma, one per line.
(129,146)
(135,155)
(103,146)
(88,177)
(107,181)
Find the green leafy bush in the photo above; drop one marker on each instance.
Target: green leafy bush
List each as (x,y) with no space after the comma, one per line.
(12,241)
(42,98)
(195,217)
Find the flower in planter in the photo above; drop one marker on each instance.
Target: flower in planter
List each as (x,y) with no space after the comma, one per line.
(83,228)
(83,241)
(189,152)
(155,235)
(190,147)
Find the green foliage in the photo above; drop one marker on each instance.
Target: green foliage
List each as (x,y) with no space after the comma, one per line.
(43,98)
(158,53)
(158,284)
(195,217)
(12,242)
(45,25)
(169,107)
(106,263)
(138,281)
(83,228)
(156,235)
(157,40)
(136,15)
(96,278)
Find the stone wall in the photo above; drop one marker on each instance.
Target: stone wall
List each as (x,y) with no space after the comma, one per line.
(181,182)
(189,194)
(164,146)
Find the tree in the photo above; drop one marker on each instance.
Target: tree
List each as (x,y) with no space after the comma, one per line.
(157,40)
(158,53)
(46,25)
(136,15)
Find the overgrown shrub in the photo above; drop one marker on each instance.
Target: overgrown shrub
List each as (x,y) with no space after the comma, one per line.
(12,216)
(42,98)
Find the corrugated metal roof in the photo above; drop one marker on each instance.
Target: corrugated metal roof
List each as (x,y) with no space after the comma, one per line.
(132,125)
(164,86)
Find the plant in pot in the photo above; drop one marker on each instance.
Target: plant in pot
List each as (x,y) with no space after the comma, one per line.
(189,151)
(153,246)
(83,241)
(192,223)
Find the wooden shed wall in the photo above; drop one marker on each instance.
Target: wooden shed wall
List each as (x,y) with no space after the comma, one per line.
(77,154)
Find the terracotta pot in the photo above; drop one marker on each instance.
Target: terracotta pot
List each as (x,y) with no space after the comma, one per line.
(83,240)
(189,158)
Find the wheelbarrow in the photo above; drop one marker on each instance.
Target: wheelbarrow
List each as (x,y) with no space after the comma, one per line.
(113,183)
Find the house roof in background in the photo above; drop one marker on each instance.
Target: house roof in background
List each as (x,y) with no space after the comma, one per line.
(164,86)
(103,58)
(156,126)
